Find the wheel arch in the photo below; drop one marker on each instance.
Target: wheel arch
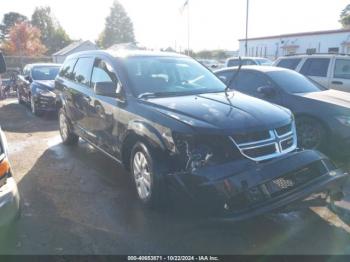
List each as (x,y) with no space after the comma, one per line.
(316,118)
(140,132)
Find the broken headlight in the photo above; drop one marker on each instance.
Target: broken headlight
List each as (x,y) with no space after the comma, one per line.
(196,151)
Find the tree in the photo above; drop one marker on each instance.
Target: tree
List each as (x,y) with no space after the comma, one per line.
(24,40)
(345,17)
(53,35)
(9,20)
(118,27)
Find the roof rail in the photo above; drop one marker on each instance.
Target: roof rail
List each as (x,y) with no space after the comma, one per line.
(318,54)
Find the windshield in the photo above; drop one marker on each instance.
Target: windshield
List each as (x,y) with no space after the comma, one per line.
(293,82)
(166,76)
(45,73)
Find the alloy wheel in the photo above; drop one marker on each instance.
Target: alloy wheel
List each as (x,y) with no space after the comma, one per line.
(142,175)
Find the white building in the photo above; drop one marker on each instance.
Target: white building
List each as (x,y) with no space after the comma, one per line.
(74,47)
(331,41)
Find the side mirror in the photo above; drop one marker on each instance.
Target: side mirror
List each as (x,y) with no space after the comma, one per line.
(267,91)
(28,78)
(109,89)
(2,64)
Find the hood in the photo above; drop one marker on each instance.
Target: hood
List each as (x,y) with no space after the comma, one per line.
(333,97)
(49,84)
(215,111)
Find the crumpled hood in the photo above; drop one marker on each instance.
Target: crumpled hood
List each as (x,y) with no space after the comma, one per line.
(334,97)
(215,111)
(49,84)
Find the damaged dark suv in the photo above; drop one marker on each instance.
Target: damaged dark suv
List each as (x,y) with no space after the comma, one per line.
(175,126)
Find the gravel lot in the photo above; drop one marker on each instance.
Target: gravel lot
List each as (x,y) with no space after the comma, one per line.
(78,201)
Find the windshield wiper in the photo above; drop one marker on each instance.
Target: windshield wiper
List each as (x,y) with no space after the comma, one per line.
(146,95)
(234,76)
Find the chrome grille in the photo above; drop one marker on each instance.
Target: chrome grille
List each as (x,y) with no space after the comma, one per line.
(260,146)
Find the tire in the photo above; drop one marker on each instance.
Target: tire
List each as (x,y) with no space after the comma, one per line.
(66,131)
(311,133)
(20,101)
(147,175)
(33,107)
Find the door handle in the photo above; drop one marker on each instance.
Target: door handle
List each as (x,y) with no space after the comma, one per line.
(337,82)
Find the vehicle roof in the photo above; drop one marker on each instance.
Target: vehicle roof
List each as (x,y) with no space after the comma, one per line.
(126,53)
(263,69)
(315,55)
(42,64)
(246,57)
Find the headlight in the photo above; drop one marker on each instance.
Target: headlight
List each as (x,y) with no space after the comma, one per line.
(345,120)
(198,151)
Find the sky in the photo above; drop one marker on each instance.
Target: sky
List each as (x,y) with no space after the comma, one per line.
(214,24)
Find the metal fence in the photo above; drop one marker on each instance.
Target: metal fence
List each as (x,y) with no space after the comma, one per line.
(20,61)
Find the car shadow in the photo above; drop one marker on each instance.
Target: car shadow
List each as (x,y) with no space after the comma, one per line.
(75,200)
(18,119)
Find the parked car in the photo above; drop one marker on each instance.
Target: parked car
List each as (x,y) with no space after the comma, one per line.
(209,63)
(36,87)
(330,70)
(169,121)
(322,115)
(9,196)
(234,61)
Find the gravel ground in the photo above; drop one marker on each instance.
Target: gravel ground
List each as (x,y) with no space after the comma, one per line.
(78,201)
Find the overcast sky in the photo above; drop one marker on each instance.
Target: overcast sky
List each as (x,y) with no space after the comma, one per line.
(213,23)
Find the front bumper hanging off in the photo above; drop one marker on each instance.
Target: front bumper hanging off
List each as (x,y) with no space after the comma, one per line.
(244,188)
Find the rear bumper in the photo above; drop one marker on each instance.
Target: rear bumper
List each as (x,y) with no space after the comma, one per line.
(9,202)
(242,189)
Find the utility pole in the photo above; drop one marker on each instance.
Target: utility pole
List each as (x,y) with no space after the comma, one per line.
(188,28)
(246,30)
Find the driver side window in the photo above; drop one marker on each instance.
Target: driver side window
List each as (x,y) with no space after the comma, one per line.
(249,82)
(103,72)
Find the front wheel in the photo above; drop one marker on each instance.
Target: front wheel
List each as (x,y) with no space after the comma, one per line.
(147,176)
(67,135)
(33,107)
(19,98)
(311,133)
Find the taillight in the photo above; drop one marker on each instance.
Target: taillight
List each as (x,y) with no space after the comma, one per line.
(4,167)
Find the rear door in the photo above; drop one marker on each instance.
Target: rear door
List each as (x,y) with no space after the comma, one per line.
(318,69)
(340,76)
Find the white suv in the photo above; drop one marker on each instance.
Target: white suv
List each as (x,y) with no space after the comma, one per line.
(330,70)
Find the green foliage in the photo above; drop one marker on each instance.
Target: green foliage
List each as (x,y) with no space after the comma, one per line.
(8,21)
(53,35)
(345,17)
(118,28)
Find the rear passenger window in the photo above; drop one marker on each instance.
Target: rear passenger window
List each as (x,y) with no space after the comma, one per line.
(67,69)
(342,69)
(82,70)
(315,67)
(289,63)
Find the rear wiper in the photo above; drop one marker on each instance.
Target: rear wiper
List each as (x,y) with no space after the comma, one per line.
(234,76)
